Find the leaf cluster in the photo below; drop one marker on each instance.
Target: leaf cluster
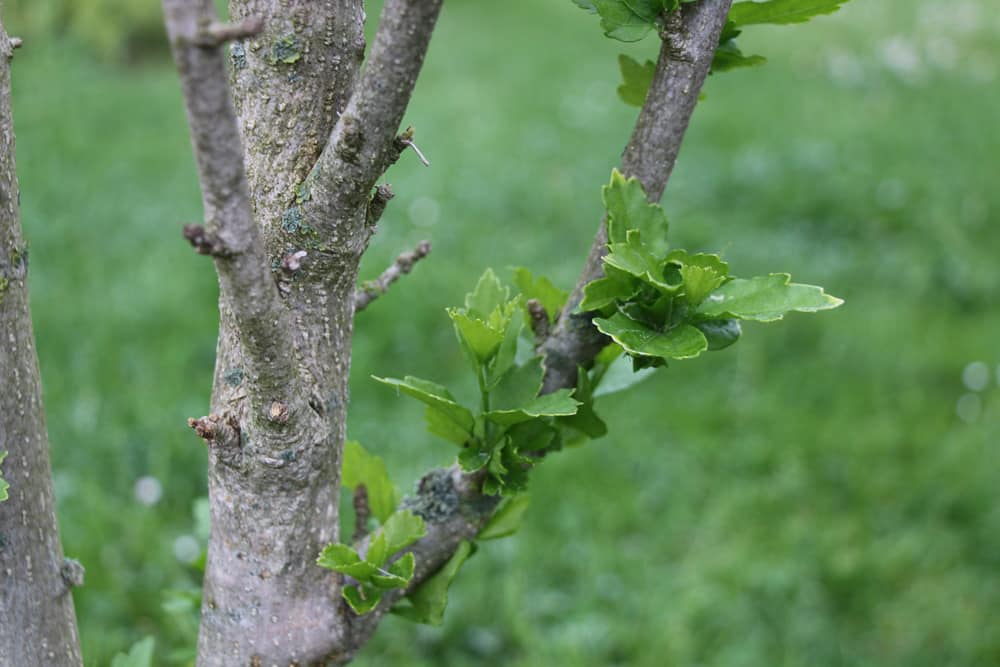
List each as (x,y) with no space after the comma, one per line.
(373,572)
(512,422)
(660,304)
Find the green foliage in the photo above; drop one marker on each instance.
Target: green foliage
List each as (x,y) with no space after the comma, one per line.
(781,12)
(426,604)
(362,468)
(540,289)
(511,421)
(630,20)
(3,483)
(140,655)
(372,572)
(636,80)
(507,518)
(659,304)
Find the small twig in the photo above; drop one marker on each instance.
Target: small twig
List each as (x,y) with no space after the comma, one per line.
(216,33)
(204,242)
(409,142)
(376,205)
(72,573)
(16,42)
(362,513)
(373,289)
(290,265)
(539,320)
(223,436)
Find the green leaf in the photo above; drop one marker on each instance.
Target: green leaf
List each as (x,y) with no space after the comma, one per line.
(436,397)
(361,600)
(3,483)
(344,559)
(518,387)
(488,295)
(700,281)
(615,286)
(427,603)
(398,575)
(507,519)
(628,208)
(781,11)
(765,299)
(680,342)
(510,322)
(476,336)
(542,290)
(401,530)
(620,22)
(140,655)
(559,403)
(729,57)
(636,80)
(361,467)
(720,334)
(620,376)
(442,426)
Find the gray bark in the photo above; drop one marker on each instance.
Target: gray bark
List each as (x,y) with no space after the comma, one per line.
(37,621)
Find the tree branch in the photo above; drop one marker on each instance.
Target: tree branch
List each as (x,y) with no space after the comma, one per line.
(37,621)
(373,289)
(690,38)
(247,287)
(363,143)
(689,42)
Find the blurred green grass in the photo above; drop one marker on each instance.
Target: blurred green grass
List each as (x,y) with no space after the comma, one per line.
(811,496)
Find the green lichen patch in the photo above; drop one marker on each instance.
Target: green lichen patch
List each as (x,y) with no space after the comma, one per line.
(286,50)
(238,56)
(291,220)
(233,376)
(436,500)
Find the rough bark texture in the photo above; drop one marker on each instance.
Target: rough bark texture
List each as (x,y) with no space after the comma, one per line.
(690,38)
(37,621)
(293,203)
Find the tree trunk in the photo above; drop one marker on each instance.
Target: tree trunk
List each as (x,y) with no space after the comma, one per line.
(37,621)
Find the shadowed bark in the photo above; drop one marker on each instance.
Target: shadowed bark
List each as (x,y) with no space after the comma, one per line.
(37,621)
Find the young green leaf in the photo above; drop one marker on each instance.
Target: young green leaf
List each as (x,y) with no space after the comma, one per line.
(628,208)
(614,286)
(636,80)
(765,299)
(729,57)
(507,519)
(681,342)
(558,403)
(361,467)
(362,600)
(426,604)
(619,376)
(401,530)
(542,290)
(344,559)
(520,386)
(620,22)
(476,336)
(398,574)
(781,11)
(140,655)
(699,282)
(3,483)
(488,295)
(436,397)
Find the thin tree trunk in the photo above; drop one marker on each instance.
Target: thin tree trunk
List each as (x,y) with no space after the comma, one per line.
(37,621)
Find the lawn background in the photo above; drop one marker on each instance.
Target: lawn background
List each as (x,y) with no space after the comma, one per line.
(824,493)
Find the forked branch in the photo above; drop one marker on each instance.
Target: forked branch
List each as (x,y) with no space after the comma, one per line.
(230,234)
